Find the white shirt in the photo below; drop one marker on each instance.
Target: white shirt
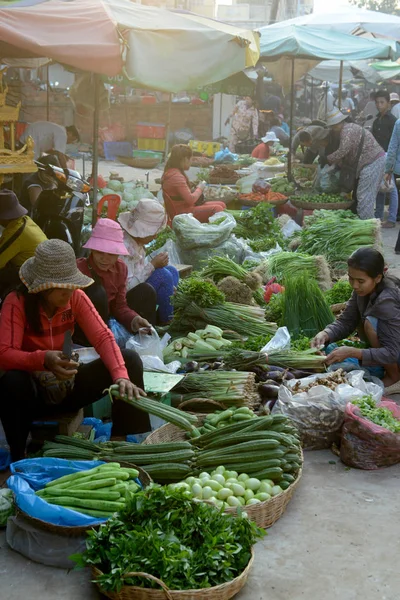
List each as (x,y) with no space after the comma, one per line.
(139,268)
(46,136)
(396,110)
(347,104)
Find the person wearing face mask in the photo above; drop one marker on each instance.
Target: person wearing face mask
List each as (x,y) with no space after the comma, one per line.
(373,309)
(38,379)
(134,310)
(244,123)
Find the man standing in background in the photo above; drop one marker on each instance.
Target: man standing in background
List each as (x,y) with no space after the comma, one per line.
(50,138)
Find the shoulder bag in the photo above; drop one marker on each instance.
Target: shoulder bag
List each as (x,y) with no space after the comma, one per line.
(348,173)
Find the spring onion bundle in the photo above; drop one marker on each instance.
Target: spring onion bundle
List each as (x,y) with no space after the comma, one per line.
(305,308)
(337,236)
(233,388)
(287,264)
(221,267)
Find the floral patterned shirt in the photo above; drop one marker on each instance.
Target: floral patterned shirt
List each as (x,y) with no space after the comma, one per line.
(350,138)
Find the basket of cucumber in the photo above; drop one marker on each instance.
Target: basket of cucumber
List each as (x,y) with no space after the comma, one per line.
(224,591)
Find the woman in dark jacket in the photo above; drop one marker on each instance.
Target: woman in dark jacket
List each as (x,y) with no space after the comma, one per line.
(373,309)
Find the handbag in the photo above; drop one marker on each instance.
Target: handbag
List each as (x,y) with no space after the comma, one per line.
(348,173)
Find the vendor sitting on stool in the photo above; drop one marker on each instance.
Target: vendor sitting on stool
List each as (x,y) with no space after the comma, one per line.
(262,151)
(135,309)
(39,380)
(141,226)
(375,308)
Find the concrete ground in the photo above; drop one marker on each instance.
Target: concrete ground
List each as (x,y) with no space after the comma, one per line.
(339,538)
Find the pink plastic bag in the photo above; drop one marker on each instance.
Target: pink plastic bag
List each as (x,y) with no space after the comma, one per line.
(365,445)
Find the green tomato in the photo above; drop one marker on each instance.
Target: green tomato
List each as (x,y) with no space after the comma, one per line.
(224,493)
(197,490)
(214,485)
(276,490)
(207,493)
(263,497)
(237,489)
(233,501)
(219,478)
(265,488)
(248,495)
(252,484)
(243,477)
(219,470)
(253,501)
(231,475)
(191,480)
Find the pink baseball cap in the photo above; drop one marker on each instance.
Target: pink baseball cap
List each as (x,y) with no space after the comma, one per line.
(107,236)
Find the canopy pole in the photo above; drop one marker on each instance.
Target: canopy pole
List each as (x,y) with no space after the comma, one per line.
(312,99)
(168,127)
(95,145)
(291,123)
(340,84)
(47,94)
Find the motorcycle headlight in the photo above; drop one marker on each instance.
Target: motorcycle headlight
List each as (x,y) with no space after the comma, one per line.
(75,184)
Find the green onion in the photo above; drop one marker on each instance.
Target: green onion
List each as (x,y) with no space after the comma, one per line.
(305,308)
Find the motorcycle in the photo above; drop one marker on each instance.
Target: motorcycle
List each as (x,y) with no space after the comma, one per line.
(59,211)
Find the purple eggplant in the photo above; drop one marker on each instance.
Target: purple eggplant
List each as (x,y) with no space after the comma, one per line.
(268,390)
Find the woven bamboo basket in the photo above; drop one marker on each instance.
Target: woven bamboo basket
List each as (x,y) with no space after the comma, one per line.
(298,203)
(139,163)
(219,592)
(264,514)
(65,531)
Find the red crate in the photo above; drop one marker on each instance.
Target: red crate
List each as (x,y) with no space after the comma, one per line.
(153,131)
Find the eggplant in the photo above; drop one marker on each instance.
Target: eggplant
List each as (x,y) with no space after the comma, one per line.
(288,376)
(299,374)
(268,390)
(276,376)
(217,365)
(273,368)
(192,366)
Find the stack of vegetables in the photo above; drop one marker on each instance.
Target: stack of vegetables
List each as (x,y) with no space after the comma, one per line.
(236,282)
(337,234)
(172,537)
(286,264)
(340,293)
(198,303)
(322,198)
(230,387)
(201,340)
(258,223)
(380,415)
(220,419)
(98,492)
(282,185)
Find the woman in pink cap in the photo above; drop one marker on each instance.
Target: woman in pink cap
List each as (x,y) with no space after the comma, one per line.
(135,309)
(141,226)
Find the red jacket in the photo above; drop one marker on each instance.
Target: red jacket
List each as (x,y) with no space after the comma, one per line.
(114,283)
(261,151)
(23,349)
(175,185)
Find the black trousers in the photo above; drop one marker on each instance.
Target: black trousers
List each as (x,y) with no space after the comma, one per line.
(23,400)
(142,299)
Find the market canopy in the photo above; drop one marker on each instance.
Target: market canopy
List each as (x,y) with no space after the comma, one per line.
(156,48)
(329,70)
(351,20)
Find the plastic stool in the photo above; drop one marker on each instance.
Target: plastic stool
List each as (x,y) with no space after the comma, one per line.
(113,202)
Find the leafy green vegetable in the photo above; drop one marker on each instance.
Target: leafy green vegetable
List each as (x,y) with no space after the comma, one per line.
(253,343)
(263,244)
(163,236)
(303,342)
(258,222)
(203,293)
(341,292)
(186,544)
(305,308)
(377,414)
(274,309)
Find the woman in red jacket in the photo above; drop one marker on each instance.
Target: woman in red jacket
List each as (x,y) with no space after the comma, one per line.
(39,379)
(177,192)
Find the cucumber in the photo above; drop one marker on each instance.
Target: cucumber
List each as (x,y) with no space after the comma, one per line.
(274,473)
(102,505)
(86,494)
(89,485)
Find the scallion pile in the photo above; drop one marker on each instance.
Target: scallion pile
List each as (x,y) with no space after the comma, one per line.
(286,264)
(233,388)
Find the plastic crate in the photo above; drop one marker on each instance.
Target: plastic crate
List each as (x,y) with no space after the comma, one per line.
(114,149)
(147,154)
(150,144)
(154,131)
(208,148)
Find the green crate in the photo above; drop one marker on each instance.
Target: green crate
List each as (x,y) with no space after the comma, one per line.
(147,154)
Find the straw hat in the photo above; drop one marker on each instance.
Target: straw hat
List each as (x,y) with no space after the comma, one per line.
(146,219)
(107,236)
(10,208)
(270,137)
(335,116)
(53,266)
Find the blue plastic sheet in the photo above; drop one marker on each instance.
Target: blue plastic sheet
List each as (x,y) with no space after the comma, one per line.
(102,430)
(120,333)
(31,475)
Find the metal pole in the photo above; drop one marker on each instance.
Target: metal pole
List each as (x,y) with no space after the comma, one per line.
(291,124)
(340,84)
(168,127)
(312,99)
(220,114)
(95,145)
(47,94)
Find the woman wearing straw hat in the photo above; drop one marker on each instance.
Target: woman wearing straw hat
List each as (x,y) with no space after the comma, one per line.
(135,309)
(39,379)
(371,164)
(141,226)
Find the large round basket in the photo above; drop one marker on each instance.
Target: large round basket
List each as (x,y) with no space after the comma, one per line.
(65,531)
(252,203)
(298,203)
(264,514)
(219,592)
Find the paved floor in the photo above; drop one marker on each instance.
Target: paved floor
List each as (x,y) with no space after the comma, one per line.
(339,538)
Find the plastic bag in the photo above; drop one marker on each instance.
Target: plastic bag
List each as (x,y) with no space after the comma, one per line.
(327,179)
(6,505)
(280,341)
(386,188)
(225,155)
(365,445)
(319,412)
(33,474)
(290,228)
(41,546)
(173,252)
(121,334)
(146,344)
(232,248)
(192,234)
(102,430)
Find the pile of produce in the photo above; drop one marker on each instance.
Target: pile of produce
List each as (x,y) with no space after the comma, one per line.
(331,380)
(201,340)
(274,309)
(221,418)
(304,175)
(237,283)
(273,162)
(379,415)
(282,185)
(167,534)
(257,222)
(269,196)
(322,198)
(221,192)
(223,174)
(130,193)
(161,239)
(263,244)
(305,308)
(230,387)
(341,292)
(201,161)
(337,234)
(287,264)
(198,303)
(99,492)
(226,489)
